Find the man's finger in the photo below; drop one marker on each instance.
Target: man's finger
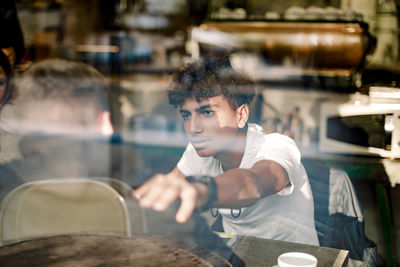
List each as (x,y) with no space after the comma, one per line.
(166,198)
(151,196)
(188,204)
(140,192)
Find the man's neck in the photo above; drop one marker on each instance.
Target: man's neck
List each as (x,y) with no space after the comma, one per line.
(233,157)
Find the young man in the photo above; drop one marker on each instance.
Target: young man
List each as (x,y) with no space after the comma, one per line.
(256,181)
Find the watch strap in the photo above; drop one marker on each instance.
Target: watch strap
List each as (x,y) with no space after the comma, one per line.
(209,181)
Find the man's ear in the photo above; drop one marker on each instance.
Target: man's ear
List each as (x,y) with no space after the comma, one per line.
(243,115)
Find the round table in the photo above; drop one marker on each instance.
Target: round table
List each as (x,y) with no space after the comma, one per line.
(102,250)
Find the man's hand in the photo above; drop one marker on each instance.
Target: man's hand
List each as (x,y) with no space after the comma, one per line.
(161,190)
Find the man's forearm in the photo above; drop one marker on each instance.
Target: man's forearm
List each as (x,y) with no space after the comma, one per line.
(237,188)
(243,187)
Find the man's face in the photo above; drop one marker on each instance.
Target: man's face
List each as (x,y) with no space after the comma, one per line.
(211,125)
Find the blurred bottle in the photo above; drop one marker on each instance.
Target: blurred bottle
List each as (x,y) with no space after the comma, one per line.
(297,125)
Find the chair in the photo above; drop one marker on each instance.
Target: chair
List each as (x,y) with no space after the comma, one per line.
(120,186)
(136,213)
(62,206)
(338,216)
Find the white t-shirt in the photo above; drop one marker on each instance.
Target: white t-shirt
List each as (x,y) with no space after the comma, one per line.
(287,215)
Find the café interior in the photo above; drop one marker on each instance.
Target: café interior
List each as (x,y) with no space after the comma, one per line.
(327,74)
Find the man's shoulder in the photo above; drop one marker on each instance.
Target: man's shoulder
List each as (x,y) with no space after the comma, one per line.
(274,146)
(256,134)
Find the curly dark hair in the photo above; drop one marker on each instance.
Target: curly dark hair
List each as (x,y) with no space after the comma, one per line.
(211,77)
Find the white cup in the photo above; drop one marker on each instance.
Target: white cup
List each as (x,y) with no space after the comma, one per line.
(297,259)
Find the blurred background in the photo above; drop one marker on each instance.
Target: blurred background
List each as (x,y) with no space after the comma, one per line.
(327,74)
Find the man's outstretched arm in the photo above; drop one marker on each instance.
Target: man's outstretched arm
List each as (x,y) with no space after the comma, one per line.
(235,188)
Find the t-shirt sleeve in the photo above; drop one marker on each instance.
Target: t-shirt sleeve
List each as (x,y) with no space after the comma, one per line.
(187,164)
(284,151)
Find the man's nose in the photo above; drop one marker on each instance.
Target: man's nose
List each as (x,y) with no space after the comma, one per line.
(194,125)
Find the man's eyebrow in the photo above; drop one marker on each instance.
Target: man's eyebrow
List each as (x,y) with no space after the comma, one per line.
(203,107)
(199,109)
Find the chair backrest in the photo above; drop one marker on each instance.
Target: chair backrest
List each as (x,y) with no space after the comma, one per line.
(120,186)
(136,213)
(338,216)
(62,206)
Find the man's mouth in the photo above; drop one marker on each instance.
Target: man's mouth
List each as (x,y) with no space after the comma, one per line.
(199,143)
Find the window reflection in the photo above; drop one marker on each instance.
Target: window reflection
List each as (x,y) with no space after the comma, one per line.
(300,55)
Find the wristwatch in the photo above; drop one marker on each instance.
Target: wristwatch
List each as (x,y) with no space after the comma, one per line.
(209,181)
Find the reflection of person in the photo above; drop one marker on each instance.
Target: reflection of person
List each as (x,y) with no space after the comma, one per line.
(60,105)
(59,96)
(11,41)
(256,181)
(50,93)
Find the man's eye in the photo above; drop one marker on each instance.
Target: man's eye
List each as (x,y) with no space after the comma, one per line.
(185,116)
(208,112)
